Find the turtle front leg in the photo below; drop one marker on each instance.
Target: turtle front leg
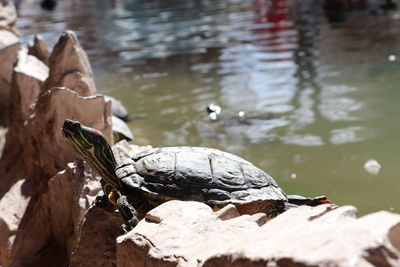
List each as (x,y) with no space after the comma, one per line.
(103,199)
(129,214)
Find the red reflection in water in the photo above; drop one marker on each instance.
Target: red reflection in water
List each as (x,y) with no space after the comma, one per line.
(275,14)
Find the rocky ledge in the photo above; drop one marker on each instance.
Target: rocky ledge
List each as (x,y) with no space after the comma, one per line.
(47,211)
(181,233)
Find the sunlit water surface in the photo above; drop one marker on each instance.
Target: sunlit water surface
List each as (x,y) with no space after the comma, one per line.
(319,101)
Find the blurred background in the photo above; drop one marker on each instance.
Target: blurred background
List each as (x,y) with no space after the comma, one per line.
(309,90)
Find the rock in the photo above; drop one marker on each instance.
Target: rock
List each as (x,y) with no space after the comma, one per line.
(44,231)
(28,77)
(96,244)
(117,108)
(3,132)
(8,17)
(121,130)
(69,67)
(9,46)
(39,49)
(13,206)
(42,208)
(43,151)
(46,121)
(372,166)
(120,116)
(47,210)
(179,233)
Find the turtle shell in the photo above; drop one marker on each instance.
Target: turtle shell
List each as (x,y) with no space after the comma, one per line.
(201,174)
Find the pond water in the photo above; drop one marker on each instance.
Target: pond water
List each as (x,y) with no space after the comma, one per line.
(319,99)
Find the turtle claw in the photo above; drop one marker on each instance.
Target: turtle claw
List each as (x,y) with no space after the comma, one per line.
(129,225)
(128,212)
(124,229)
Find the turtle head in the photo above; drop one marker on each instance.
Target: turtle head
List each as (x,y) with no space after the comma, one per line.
(91,145)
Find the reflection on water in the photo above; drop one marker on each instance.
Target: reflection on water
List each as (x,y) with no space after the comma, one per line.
(314,97)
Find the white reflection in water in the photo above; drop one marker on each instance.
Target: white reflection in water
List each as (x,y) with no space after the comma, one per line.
(264,75)
(251,56)
(336,106)
(302,140)
(247,88)
(345,135)
(257,91)
(304,115)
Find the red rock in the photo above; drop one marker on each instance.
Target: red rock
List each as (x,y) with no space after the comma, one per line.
(96,243)
(9,46)
(45,123)
(190,234)
(3,132)
(44,231)
(42,208)
(69,67)
(28,77)
(39,49)
(44,151)
(13,206)
(8,16)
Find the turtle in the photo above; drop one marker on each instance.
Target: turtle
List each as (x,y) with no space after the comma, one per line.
(157,175)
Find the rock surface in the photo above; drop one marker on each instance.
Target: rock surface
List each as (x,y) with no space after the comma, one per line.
(3,132)
(9,47)
(28,77)
(38,144)
(39,49)
(8,16)
(30,165)
(70,67)
(118,109)
(190,234)
(42,207)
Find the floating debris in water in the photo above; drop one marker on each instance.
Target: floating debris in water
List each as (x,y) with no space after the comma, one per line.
(214,108)
(213,116)
(213,111)
(372,166)
(392,58)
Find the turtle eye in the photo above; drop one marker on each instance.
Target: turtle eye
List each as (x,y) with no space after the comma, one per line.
(76,125)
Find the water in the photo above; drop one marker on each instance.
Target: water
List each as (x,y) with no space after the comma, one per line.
(320,100)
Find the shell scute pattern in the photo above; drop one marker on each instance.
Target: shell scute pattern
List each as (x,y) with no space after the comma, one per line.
(203,174)
(227,173)
(256,177)
(193,170)
(157,167)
